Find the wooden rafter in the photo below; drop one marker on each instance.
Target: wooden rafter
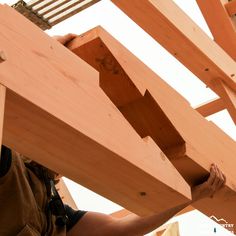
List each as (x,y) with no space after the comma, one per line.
(228,96)
(210,107)
(155,113)
(183,39)
(57,114)
(220,24)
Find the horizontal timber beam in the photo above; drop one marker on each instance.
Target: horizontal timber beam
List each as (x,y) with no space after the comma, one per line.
(57,115)
(190,141)
(179,35)
(210,107)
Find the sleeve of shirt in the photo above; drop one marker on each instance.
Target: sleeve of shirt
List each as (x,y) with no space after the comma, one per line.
(74,216)
(5,161)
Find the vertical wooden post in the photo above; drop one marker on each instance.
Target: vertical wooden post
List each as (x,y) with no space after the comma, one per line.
(2,108)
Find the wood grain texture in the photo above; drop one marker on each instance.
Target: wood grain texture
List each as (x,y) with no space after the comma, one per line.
(179,35)
(2,111)
(189,141)
(220,24)
(210,107)
(57,114)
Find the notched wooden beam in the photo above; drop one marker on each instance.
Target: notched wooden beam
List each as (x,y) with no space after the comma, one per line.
(137,106)
(57,115)
(190,142)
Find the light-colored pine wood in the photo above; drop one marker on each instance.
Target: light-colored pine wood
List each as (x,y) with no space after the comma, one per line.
(177,33)
(227,95)
(172,230)
(57,114)
(231,8)
(220,24)
(188,140)
(210,107)
(2,111)
(65,194)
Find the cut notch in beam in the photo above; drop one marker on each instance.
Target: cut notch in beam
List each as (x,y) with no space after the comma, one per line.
(203,140)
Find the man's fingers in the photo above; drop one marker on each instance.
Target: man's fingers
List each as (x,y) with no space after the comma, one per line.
(221,178)
(69,37)
(65,39)
(212,176)
(216,180)
(214,183)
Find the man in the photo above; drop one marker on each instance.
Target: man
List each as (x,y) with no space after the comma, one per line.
(30,204)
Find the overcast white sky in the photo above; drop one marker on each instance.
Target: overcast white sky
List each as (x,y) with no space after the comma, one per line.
(174,73)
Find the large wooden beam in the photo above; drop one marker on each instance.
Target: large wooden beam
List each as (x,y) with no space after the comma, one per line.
(2,111)
(183,39)
(210,107)
(191,142)
(57,114)
(220,24)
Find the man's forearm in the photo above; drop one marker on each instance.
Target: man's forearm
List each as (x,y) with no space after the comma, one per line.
(134,225)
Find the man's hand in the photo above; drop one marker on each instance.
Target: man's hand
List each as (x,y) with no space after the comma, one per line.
(65,39)
(214,183)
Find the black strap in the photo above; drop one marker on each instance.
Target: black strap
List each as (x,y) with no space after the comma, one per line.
(5,162)
(57,207)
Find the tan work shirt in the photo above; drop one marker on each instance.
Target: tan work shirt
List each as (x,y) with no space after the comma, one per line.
(23,200)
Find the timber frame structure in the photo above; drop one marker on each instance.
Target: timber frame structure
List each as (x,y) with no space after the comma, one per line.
(101,117)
